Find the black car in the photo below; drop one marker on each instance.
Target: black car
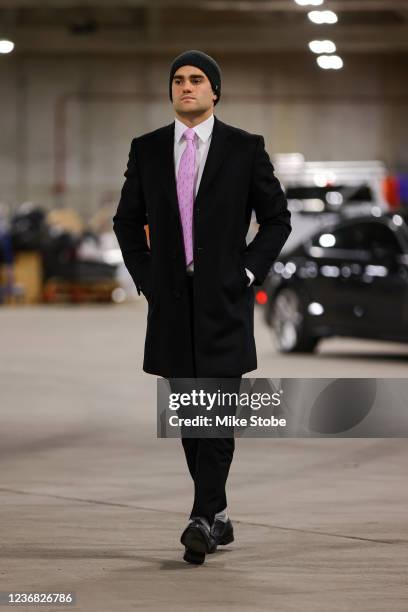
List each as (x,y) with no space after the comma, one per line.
(312,199)
(349,279)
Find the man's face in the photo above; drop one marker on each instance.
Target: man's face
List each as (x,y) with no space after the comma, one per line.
(191,91)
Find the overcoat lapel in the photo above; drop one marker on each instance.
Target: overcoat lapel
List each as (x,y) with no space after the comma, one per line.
(217,152)
(165,154)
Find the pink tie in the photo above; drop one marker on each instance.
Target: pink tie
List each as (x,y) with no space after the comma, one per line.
(185,192)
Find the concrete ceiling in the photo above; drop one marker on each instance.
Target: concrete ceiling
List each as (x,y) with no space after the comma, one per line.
(227,26)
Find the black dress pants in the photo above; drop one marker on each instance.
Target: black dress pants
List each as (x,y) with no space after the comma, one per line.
(208,459)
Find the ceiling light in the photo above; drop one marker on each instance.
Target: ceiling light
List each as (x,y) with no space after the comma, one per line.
(322,46)
(6,46)
(309,2)
(322,16)
(330,62)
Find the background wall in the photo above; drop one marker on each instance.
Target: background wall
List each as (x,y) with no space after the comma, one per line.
(70,104)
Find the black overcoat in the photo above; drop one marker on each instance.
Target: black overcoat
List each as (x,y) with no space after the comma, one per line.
(238,177)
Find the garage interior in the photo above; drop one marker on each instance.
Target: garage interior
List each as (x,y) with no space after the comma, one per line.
(92,501)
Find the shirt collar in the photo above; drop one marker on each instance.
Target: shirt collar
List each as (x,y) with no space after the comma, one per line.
(203,129)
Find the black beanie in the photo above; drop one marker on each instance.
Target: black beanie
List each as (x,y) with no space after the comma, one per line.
(203,61)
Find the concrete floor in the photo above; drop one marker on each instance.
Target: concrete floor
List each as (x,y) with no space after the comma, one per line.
(93,503)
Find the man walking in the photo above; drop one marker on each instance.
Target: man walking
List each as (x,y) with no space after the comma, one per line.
(195,183)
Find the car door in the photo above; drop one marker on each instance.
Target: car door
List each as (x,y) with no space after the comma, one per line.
(339,261)
(381,289)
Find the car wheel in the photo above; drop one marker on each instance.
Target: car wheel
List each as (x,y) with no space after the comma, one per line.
(288,323)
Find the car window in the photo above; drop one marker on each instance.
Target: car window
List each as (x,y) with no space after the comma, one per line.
(334,195)
(377,238)
(371,236)
(342,238)
(362,193)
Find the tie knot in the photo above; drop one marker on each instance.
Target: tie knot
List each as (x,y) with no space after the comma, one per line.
(189,134)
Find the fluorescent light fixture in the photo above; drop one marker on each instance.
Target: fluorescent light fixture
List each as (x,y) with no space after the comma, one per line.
(322,46)
(309,2)
(330,62)
(322,16)
(6,46)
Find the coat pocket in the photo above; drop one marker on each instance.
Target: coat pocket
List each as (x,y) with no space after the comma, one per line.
(235,281)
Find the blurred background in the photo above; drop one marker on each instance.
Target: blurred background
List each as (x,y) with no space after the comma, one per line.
(324,81)
(92,502)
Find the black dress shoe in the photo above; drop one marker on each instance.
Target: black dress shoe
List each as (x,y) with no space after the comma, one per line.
(222,532)
(198,541)
(193,557)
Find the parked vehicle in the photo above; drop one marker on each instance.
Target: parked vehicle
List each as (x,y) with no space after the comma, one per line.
(350,278)
(330,198)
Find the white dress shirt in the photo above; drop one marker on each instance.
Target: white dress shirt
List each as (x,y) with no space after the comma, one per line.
(204,132)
